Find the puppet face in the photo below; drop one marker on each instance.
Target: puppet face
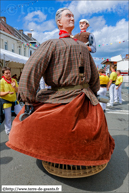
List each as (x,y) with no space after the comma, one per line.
(7,74)
(83,25)
(67,21)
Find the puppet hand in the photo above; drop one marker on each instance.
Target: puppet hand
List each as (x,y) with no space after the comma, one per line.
(89,48)
(29,109)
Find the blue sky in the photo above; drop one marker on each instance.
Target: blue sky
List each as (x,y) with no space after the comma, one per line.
(108,21)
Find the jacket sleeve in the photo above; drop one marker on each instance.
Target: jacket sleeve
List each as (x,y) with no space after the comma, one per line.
(33,71)
(93,46)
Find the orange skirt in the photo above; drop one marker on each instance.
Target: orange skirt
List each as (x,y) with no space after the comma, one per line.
(75,133)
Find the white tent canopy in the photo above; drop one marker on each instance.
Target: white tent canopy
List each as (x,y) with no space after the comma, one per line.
(116,58)
(12,57)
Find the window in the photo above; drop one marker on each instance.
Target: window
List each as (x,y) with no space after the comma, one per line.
(24,51)
(33,43)
(6,45)
(12,47)
(20,50)
(30,52)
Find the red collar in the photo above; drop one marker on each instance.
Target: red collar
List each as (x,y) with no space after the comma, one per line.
(65,34)
(82,31)
(113,71)
(8,81)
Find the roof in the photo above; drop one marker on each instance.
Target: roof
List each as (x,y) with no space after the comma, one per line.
(3,28)
(13,31)
(7,27)
(28,38)
(106,61)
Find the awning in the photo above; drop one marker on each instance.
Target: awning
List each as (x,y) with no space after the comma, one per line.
(11,56)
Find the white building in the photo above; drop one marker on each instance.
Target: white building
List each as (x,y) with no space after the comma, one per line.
(123,66)
(12,44)
(15,41)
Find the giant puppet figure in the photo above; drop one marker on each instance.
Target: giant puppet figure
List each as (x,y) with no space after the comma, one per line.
(86,37)
(66,124)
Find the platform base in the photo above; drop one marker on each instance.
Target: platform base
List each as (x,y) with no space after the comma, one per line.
(72,171)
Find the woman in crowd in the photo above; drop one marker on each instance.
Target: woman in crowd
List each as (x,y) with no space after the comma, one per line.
(8,90)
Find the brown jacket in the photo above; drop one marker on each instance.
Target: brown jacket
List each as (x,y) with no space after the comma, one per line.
(58,61)
(82,36)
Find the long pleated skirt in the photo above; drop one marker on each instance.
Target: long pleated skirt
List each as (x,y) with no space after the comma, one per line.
(75,133)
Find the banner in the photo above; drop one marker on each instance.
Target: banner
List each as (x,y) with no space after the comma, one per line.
(112,43)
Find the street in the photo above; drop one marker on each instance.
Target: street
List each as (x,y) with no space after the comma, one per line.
(20,169)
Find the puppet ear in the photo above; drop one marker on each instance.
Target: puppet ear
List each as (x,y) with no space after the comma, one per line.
(59,23)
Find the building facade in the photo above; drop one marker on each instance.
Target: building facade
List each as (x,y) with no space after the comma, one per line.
(15,41)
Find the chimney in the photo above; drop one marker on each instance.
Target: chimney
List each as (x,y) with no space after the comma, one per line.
(21,31)
(3,18)
(30,35)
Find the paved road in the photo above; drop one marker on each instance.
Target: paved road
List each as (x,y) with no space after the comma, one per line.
(20,169)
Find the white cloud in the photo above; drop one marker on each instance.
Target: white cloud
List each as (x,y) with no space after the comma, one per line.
(87,8)
(42,37)
(44,26)
(96,23)
(35,16)
(36,21)
(114,35)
